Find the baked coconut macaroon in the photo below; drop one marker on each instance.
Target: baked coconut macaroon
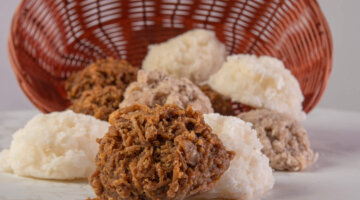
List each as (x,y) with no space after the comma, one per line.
(164,152)
(220,103)
(285,140)
(105,77)
(98,102)
(103,72)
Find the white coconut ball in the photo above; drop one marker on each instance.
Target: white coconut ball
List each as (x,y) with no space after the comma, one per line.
(260,82)
(249,175)
(195,55)
(59,145)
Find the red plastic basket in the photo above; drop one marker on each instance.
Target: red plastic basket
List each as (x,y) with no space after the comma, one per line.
(50,39)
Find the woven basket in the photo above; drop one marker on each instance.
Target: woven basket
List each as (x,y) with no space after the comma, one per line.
(50,39)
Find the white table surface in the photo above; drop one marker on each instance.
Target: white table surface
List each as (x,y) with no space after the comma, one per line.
(336,175)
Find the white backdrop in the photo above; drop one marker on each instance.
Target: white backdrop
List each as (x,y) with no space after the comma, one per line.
(343,91)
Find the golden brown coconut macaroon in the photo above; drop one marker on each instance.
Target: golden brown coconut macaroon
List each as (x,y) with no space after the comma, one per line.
(220,104)
(98,102)
(103,72)
(98,89)
(164,152)
(285,141)
(223,105)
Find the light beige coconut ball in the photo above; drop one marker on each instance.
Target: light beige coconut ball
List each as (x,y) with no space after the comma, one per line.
(156,88)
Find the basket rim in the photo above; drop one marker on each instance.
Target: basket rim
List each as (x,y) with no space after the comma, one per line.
(14,62)
(314,4)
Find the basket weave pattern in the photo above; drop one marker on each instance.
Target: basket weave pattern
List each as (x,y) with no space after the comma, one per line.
(50,39)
